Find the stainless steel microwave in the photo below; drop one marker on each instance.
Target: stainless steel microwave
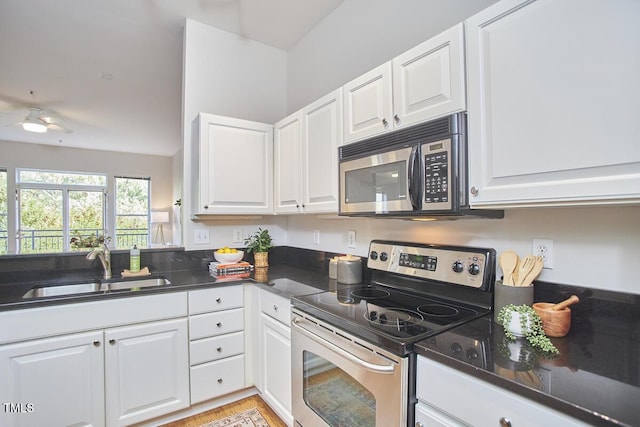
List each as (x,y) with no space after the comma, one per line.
(414,172)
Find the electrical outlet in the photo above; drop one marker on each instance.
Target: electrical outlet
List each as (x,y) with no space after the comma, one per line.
(201,236)
(544,248)
(237,235)
(316,237)
(351,239)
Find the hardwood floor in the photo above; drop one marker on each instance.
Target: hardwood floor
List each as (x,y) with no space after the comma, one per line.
(230,409)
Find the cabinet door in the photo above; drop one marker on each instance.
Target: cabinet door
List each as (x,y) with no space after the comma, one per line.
(147,371)
(429,80)
(235,166)
(288,165)
(276,366)
(53,382)
(552,118)
(322,134)
(368,104)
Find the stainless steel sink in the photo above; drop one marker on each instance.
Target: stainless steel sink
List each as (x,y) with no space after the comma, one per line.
(51,291)
(85,288)
(134,284)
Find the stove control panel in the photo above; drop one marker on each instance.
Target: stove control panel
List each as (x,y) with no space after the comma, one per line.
(457,265)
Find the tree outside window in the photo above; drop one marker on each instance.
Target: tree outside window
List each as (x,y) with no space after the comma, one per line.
(132,212)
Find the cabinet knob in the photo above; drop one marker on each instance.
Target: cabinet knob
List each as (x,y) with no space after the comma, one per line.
(219,324)
(112,341)
(206,206)
(419,424)
(385,123)
(505,422)
(219,380)
(297,206)
(397,119)
(218,300)
(219,349)
(275,307)
(474,191)
(96,343)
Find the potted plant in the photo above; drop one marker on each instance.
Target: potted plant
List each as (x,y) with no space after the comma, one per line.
(259,243)
(523,322)
(80,242)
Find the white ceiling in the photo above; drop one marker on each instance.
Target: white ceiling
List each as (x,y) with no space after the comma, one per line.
(112,69)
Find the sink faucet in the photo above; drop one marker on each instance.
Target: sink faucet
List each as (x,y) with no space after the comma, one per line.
(104,255)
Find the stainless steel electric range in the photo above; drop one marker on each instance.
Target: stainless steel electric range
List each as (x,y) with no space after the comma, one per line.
(352,348)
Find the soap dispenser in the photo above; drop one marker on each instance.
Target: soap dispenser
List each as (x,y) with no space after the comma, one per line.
(134,259)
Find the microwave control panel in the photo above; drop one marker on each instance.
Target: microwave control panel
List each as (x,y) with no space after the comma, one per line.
(437,174)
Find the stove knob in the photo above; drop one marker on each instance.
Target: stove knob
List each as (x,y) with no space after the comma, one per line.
(474,269)
(456,348)
(458,267)
(472,354)
(373,255)
(384,256)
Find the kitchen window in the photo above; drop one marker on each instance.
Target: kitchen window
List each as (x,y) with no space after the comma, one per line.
(4,244)
(61,211)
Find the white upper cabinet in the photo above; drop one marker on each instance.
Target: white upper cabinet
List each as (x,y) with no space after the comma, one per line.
(552,103)
(306,157)
(423,83)
(235,166)
(429,80)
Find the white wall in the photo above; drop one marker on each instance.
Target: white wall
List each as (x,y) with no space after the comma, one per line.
(359,35)
(593,247)
(232,76)
(159,169)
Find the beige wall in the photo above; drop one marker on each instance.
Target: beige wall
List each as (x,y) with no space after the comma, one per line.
(25,155)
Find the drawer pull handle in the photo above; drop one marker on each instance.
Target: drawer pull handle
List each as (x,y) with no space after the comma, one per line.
(218,300)
(96,343)
(219,349)
(219,324)
(219,380)
(505,422)
(275,307)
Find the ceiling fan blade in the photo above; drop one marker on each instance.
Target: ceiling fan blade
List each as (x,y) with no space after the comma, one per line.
(55,126)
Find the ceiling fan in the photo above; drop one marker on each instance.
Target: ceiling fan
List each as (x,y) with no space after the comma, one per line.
(39,121)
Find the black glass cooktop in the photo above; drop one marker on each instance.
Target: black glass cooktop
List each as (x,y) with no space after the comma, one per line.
(385,316)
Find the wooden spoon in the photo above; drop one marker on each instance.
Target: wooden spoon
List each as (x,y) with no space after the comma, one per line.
(535,271)
(508,262)
(525,268)
(566,303)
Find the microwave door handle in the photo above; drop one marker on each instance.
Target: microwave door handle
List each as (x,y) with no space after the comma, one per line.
(414,177)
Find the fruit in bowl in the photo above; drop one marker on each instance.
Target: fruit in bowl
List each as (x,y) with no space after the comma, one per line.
(228,255)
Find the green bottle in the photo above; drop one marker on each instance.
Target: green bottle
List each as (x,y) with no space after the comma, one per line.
(134,259)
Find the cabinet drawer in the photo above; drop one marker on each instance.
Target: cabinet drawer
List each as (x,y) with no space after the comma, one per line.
(215,299)
(275,306)
(217,378)
(216,323)
(210,349)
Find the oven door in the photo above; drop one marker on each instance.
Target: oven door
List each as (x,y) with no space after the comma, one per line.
(338,380)
(381,183)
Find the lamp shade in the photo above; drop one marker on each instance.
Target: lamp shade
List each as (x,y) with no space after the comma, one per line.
(160,217)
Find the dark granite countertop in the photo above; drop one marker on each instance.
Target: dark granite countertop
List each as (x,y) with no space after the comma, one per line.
(596,377)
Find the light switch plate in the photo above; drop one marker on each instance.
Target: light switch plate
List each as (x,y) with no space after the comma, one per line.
(201,236)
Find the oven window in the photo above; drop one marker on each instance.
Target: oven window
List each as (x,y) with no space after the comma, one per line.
(338,398)
(381,183)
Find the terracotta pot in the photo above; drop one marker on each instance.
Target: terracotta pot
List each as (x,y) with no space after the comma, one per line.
(261,259)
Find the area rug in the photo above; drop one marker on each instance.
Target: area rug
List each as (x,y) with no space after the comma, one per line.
(248,418)
(342,403)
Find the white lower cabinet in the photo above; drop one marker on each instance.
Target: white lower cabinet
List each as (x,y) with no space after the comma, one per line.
(216,334)
(447,397)
(114,377)
(146,371)
(275,353)
(53,381)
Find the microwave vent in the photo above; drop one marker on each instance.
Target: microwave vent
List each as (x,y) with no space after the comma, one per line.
(425,132)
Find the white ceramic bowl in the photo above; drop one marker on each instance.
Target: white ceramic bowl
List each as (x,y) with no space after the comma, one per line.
(228,258)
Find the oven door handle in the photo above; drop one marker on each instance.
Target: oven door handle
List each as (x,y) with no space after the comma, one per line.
(382,369)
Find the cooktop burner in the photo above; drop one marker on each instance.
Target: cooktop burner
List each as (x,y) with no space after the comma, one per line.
(416,291)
